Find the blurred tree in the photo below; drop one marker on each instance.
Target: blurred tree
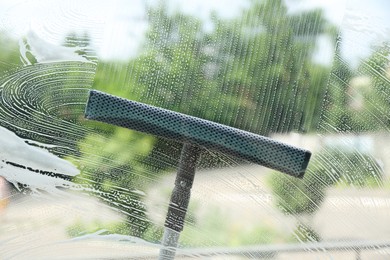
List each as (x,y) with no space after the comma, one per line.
(302,198)
(9,54)
(113,168)
(358,100)
(355,101)
(335,110)
(172,69)
(254,72)
(112,159)
(372,87)
(268,68)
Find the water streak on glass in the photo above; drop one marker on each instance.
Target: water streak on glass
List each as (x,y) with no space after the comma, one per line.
(313,75)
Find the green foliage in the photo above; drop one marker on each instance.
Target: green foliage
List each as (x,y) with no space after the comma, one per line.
(9,54)
(80,228)
(295,196)
(216,229)
(126,145)
(329,167)
(376,93)
(171,71)
(112,159)
(335,110)
(358,100)
(269,70)
(257,67)
(304,233)
(354,168)
(154,233)
(111,168)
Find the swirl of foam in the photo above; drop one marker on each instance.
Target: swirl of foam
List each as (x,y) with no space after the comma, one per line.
(34,128)
(39,101)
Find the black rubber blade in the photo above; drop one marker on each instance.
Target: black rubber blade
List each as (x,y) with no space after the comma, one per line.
(188,129)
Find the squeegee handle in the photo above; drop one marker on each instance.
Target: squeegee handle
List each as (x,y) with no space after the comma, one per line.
(196,131)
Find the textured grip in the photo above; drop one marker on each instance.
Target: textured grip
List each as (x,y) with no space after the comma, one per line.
(188,129)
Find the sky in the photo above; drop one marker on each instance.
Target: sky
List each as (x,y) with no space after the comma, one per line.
(366,24)
(117,27)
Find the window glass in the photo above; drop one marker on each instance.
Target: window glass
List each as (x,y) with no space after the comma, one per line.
(310,74)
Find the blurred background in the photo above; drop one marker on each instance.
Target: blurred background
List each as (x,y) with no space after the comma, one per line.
(314,74)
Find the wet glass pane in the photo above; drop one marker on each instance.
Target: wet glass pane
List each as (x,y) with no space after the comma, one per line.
(309,74)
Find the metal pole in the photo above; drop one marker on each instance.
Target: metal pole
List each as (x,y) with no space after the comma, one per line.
(358,256)
(179,200)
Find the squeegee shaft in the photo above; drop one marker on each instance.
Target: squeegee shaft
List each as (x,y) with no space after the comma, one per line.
(179,200)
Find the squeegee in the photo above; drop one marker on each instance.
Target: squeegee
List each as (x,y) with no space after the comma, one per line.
(195,134)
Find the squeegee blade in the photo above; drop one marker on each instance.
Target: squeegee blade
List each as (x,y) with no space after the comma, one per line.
(188,129)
